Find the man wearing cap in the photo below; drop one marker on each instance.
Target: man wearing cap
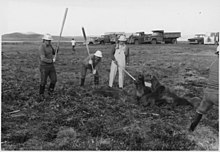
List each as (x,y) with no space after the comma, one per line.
(120,57)
(91,63)
(211,93)
(47,69)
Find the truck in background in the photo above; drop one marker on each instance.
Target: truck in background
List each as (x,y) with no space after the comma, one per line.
(197,39)
(208,38)
(110,37)
(137,38)
(92,40)
(157,36)
(104,39)
(211,38)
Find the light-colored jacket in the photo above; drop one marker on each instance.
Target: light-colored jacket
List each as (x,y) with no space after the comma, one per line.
(46,54)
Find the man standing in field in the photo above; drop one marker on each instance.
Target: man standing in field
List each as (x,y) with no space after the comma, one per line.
(47,68)
(73,45)
(211,93)
(91,63)
(120,57)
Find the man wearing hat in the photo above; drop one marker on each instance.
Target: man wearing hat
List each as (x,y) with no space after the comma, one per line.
(211,93)
(120,57)
(47,68)
(91,63)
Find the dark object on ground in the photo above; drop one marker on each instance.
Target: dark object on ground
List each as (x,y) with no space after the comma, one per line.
(157,87)
(161,95)
(141,89)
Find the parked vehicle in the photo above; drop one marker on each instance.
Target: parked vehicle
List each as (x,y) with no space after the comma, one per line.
(211,38)
(198,39)
(92,40)
(104,39)
(137,38)
(158,36)
(115,36)
(110,37)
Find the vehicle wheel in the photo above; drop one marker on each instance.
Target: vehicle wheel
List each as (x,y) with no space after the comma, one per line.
(90,43)
(136,42)
(153,42)
(174,41)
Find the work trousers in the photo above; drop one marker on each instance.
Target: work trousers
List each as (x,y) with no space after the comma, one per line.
(210,98)
(113,72)
(84,69)
(120,58)
(48,71)
(73,48)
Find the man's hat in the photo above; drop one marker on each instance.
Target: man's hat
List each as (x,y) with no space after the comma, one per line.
(47,37)
(98,54)
(122,38)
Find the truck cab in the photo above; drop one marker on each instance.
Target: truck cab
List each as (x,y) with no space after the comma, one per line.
(137,38)
(157,36)
(104,39)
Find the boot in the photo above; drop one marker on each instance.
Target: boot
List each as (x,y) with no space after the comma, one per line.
(96,80)
(195,122)
(82,81)
(41,93)
(51,89)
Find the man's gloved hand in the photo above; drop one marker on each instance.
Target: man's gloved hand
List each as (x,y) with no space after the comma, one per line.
(94,71)
(116,62)
(90,61)
(54,60)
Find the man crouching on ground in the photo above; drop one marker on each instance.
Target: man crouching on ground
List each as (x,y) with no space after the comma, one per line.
(91,63)
(210,93)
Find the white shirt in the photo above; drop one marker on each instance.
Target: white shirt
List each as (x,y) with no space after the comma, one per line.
(73,42)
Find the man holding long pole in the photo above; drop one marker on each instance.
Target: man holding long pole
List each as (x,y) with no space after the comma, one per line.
(120,57)
(90,63)
(48,57)
(47,68)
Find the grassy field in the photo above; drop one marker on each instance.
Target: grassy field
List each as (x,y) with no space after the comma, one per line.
(77,118)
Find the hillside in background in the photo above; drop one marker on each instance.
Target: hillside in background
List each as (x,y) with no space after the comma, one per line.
(35,37)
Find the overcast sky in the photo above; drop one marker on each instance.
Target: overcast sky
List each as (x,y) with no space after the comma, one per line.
(99,16)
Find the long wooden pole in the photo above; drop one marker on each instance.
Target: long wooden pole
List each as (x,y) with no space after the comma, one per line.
(87,47)
(64,18)
(126,72)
